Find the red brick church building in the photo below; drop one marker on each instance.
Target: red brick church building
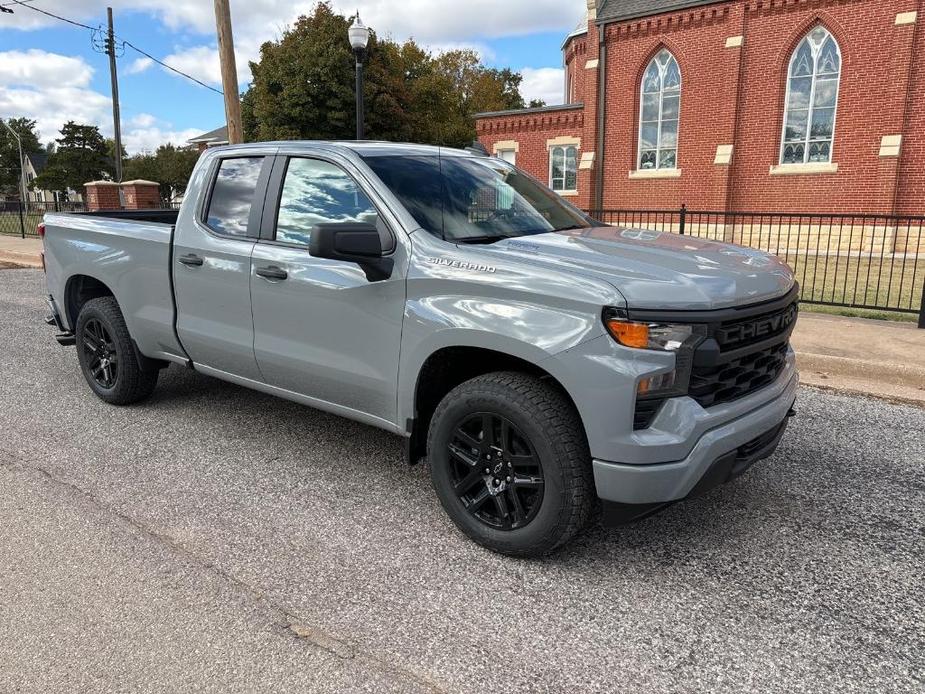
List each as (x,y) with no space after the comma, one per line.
(744,105)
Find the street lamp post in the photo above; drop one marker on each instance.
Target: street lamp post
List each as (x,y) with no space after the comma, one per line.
(23,190)
(359,37)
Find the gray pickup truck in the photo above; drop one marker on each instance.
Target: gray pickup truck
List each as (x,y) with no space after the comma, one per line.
(542,362)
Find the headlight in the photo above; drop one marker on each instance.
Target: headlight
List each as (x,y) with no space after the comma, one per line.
(667,337)
(679,338)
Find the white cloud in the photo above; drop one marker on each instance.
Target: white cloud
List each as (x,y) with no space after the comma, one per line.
(485,52)
(37,68)
(49,88)
(435,24)
(52,89)
(546,83)
(138,66)
(426,20)
(147,139)
(142,120)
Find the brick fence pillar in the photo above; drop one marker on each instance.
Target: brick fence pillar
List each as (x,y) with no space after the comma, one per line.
(141,195)
(102,195)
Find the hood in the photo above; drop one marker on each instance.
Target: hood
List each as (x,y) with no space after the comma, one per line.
(657,270)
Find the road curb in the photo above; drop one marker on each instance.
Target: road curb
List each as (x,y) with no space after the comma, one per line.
(25,259)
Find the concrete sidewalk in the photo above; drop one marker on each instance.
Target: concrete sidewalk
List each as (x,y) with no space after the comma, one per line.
(856,355)
(25,252)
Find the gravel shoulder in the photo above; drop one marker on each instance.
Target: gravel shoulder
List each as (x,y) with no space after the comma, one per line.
(172,545)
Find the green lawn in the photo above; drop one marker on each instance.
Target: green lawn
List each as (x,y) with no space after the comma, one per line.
(895,282)
(9,223)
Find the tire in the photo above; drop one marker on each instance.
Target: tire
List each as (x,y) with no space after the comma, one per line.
(107,354)
(528,419)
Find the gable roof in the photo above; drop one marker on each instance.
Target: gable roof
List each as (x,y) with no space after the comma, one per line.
(619,10)
(39,161)
(219,135)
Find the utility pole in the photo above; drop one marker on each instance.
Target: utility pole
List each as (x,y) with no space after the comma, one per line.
(229,71)
(116,122)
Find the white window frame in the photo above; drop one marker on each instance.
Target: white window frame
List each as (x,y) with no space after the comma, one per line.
(661,98)
(565,147)
(507,150)
(812,100)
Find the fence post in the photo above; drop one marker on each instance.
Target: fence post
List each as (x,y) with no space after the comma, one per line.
(683,218)
(922,308)
(22,222)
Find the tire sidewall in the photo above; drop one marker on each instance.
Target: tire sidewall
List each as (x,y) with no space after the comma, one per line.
(537,531)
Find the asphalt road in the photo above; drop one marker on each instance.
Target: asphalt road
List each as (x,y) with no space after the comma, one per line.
(215,539)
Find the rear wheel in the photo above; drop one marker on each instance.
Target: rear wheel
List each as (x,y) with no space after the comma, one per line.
(107,355)
(510,463)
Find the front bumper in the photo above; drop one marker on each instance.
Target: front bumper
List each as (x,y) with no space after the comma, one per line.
(731,447)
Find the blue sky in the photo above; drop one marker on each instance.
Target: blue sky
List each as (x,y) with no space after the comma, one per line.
(49,70)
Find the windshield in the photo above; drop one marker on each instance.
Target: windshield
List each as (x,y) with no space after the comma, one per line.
(473,199)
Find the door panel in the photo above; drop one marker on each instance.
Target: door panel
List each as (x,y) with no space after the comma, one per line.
(326,331)
(212,266)
(214,304)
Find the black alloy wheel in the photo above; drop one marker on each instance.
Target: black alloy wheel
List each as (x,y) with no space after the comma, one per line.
(113,368)
(510,463)
(495,471)
(102,357)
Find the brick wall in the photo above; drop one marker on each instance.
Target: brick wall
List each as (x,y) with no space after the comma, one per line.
(532,130)
(102,195)
(733,58)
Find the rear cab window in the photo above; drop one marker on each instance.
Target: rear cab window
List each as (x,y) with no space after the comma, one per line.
(232,196)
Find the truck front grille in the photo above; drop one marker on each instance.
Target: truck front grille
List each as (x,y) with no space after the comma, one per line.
(736,378)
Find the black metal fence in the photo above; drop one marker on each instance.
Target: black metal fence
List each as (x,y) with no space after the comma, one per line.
(21,219)
(874,262)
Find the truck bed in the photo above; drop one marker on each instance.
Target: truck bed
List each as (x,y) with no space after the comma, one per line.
(130,253)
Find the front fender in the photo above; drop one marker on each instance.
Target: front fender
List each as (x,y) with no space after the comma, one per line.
(530,332)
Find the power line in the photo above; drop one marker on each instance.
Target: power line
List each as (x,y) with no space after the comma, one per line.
(27,5)
(47,14)
(170,67)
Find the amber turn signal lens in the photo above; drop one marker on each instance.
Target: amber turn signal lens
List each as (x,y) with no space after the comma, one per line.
(628,333)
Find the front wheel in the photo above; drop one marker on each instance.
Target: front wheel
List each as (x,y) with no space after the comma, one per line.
(107,356)
(510,463)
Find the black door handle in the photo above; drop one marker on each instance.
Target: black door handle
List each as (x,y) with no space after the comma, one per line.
(271,272)
(191,260)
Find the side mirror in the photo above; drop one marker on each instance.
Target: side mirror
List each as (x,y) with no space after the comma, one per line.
(354,242)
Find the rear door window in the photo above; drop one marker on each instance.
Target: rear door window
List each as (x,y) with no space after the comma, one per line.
(233,195)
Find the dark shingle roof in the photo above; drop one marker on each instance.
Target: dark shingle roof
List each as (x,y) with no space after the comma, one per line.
(217,135)
(39,161)
(619,10)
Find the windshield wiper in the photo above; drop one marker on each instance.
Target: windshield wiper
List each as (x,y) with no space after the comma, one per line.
(484,239)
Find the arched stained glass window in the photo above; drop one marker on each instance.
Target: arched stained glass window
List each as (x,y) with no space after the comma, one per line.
(659,108)
(812,93)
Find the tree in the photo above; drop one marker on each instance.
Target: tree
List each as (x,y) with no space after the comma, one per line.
(81,156)
(9,152)
(169,166)
(303,87)
(536,103)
